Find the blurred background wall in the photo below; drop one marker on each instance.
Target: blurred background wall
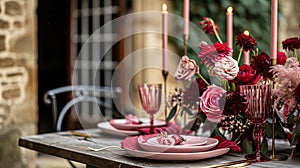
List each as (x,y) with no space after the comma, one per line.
(40,39)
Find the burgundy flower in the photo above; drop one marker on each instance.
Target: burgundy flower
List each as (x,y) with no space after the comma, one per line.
(297,93)
(234,103)
(202,86)
(261,63)
(281,58)
(193,93)
(210,54)
(246,76)
(207,26)
(291,43)
(246,41)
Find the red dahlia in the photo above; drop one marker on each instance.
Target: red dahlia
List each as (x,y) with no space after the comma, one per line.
(246,41)
(234,103)
(291,43)
(210,54)
(261,63)
(207,25)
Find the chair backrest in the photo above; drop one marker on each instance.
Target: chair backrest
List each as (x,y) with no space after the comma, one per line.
(80,94)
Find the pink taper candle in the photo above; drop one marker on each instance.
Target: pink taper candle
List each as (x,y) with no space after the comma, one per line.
(247,53)
(229,26)
(273,40)
(186,16)
(164,35)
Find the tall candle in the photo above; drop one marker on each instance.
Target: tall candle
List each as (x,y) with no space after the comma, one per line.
(247,53)
(273,40)
(229,26)
(164,35)
(186,16)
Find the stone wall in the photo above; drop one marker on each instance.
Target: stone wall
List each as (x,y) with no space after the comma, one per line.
(18,82)
(289,20)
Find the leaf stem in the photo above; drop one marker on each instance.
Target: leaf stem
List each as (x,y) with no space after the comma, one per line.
(240,54)
(295,54)
(215,30)
(203,79)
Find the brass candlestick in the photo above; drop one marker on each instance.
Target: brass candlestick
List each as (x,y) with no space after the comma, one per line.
(165,74)
(185,40)
(279,157)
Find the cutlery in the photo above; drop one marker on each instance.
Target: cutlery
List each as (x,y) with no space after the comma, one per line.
(103,148)
(75,133)
(239,163)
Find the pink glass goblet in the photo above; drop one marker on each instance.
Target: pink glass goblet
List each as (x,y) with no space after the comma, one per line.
(150,96)
(259,104)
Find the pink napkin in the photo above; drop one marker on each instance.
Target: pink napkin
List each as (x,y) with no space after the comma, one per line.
(132,142)
(224,143)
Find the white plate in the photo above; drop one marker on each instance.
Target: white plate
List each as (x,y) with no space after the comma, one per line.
(122,124)
(177,156)
(107,128)
(211,143)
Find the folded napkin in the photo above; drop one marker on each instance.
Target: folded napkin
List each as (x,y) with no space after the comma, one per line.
(132,142)
(224,143)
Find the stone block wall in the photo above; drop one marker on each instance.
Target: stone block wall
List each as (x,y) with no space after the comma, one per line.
(18,80)
(289,21)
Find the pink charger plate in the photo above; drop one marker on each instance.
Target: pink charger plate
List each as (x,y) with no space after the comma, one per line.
(123,124)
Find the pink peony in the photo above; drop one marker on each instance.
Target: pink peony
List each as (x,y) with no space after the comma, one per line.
(209,103)
(227,68)
(186,69)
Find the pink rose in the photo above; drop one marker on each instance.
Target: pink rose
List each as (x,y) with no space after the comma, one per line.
(227,68)
(186,69)
(209,103)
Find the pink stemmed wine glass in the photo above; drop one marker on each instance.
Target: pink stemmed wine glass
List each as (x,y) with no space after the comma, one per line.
(150,96)
(259,104)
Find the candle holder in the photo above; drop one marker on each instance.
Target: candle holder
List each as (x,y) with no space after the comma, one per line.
(165,74)
(185,40)
(278,157)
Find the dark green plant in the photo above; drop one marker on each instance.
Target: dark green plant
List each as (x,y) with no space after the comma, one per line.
(253,15)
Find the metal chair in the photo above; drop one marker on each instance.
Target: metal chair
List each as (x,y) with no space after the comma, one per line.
(81,93)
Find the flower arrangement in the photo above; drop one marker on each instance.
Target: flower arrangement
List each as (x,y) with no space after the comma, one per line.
(286,92)
(216,100)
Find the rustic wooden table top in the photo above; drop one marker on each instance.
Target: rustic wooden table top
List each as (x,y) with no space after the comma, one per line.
(68,146)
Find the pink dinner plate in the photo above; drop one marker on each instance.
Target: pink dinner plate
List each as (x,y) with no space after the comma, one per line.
(107,128)
(177,156)
(155,147)
(122,124)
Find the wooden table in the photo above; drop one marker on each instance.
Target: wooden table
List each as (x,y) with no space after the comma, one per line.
(65,145)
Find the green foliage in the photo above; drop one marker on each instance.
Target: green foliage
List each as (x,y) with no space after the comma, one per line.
(253,15)
(264,146)
(247,146)
(172,113)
